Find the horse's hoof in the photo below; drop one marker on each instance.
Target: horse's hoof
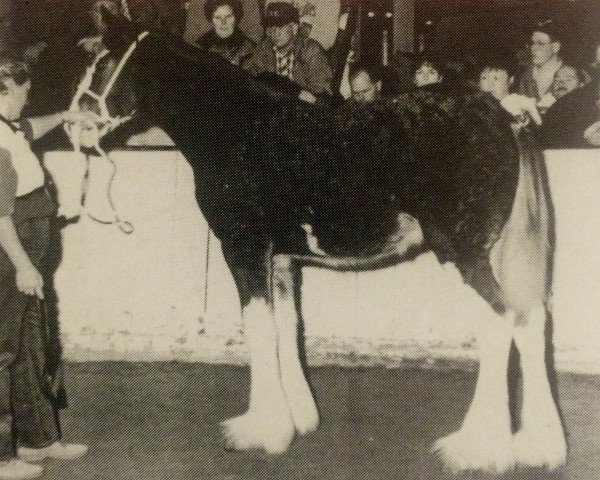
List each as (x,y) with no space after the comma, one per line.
(475,451)
(253,431)
(303,410)
(540,448)
(307,421)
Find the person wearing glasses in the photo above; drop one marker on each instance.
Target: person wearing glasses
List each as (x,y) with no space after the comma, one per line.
(544,51)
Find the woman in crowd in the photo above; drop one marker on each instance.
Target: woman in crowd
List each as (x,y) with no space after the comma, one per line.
(428,71)
(226,38)
(28,417)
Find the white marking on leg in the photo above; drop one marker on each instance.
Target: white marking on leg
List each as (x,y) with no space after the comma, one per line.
(267,424)
(540,442)
(300,399)
(484,441)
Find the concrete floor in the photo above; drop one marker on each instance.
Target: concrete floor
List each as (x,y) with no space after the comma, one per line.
(158,421)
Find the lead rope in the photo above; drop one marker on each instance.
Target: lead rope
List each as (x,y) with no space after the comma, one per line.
(123,225)
(108,123)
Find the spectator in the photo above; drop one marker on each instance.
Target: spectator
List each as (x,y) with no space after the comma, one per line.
(497,77)
(93,45)
(226,38)
(545,58)
(568,120)
(365,84)
(567,79)
(306,20)
(428,71)
(285,53)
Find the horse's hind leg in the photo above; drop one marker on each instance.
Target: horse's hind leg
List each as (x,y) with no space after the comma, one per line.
(540,442)
(484,441)
(299,396)
(267,423)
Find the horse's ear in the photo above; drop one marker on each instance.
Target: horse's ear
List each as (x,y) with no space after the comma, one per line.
(119,30)
(108,17)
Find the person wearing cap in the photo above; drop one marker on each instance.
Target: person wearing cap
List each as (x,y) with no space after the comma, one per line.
(285,53)
(226,38)
(544,51)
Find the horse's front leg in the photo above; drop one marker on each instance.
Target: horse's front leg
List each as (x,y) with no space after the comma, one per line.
(299,396)
(267,424)
(540,442)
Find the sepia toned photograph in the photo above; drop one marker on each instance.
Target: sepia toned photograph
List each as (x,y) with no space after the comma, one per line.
(300,239)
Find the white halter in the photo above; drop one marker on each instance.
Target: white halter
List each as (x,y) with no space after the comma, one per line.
(84,89)
(92,133)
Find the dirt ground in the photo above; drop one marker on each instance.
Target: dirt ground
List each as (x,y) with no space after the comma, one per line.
(158,421)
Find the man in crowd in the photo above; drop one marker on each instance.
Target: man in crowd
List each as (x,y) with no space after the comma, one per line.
(285,53)
(567,122)
(545,58)
(93,44)
(365,84)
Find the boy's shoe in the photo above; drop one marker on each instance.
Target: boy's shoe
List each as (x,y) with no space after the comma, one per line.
(16,469)
(61,451)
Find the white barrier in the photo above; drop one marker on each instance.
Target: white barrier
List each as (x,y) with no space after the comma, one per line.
(164,292)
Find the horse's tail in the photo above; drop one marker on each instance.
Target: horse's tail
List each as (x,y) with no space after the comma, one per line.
(522,257)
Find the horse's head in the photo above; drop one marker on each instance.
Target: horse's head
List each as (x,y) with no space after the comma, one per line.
(106,90)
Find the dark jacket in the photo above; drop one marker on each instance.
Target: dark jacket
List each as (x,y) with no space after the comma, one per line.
(311,68)
(567,119)
(236,48)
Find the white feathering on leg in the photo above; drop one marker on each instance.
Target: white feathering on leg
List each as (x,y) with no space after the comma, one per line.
(299,397)
(540,442)
(484,441)
(267,424)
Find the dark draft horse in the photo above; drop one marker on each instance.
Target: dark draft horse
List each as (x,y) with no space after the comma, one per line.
(285,184)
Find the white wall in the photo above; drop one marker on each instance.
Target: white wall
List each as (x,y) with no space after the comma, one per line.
(152,295)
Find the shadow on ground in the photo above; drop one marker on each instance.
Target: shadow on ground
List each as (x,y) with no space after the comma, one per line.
(158,421)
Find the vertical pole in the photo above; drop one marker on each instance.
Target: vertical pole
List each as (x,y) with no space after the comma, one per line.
(404,25)
(385,49)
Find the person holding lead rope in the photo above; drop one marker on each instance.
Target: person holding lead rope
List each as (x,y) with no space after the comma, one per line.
(28,416)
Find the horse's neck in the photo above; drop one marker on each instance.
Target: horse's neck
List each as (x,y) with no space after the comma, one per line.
(192,76)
